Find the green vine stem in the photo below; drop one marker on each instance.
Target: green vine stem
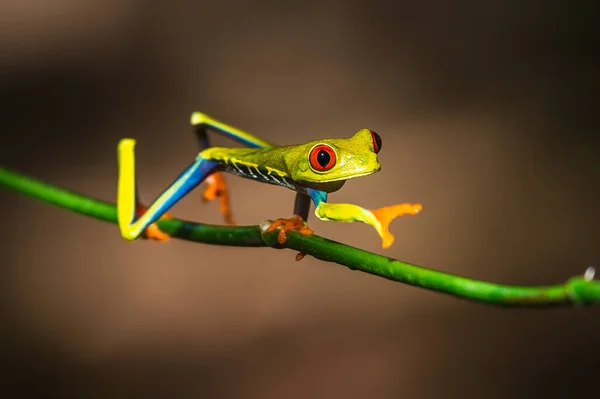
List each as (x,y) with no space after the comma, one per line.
(579,290)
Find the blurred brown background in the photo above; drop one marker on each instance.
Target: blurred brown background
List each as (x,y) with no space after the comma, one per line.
(489,116)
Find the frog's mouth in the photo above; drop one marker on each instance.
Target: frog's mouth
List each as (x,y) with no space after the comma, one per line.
(331,185)
(352,176)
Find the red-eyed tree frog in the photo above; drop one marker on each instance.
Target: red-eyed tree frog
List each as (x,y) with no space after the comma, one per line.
(313,170)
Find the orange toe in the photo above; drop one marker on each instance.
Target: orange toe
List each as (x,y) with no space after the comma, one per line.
(285,225)
(385,216)
(152,232)
(217,188)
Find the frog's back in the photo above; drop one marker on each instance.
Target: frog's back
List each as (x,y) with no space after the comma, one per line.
(262,164)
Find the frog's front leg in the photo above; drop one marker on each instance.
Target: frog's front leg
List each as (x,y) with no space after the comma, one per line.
(135,220)
(302,205)
(296,222)
(378,218)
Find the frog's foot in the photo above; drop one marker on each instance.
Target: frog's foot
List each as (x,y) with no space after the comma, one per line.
(217,188)
(385,216)
(152,232)
(284,225)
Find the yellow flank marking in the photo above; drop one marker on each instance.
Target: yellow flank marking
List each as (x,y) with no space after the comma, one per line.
(236,162)
(223,155)
(271,170)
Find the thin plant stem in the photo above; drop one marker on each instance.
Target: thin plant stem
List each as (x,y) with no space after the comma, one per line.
(578,290)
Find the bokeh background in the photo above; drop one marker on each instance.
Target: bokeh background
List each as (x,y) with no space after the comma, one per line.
(489,116)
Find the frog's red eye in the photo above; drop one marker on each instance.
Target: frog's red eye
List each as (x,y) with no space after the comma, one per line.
(376,142)
(322,158)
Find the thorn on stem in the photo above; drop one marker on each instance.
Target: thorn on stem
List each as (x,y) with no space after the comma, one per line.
(300,256)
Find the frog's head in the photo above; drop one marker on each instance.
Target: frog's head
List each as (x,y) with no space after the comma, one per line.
(326,164)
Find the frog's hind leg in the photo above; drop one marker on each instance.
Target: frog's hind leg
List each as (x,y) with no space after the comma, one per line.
(216,184)
(201,122)
(135,220)
(217,187)
(152,232)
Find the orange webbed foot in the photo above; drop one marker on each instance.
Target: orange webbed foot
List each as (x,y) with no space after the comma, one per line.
(217,188)
(285,225)
(385,216)
(152,232)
